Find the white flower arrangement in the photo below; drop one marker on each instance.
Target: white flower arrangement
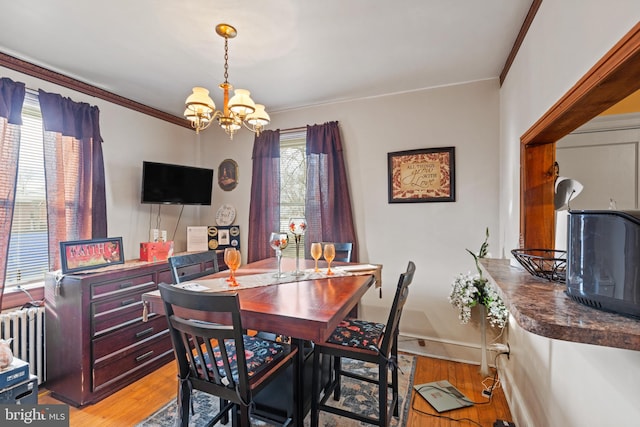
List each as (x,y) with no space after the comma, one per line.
(469,290)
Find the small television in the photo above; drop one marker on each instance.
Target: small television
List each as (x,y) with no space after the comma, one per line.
(164,183)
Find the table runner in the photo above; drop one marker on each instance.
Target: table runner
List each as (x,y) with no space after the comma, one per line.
(266,279)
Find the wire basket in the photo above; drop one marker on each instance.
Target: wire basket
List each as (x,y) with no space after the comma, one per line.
(549,264)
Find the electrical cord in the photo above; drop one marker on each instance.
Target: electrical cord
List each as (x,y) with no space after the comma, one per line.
(31,302)
(495,381)
(495,384)
(150,216)
(177,222)
(158,218)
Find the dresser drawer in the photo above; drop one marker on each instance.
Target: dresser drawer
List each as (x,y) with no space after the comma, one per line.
(128,336)
(165,276)
(126,284)
(120,300)
(116,318)
(130,359)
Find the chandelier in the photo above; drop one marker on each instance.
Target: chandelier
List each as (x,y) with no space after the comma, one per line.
(237,111)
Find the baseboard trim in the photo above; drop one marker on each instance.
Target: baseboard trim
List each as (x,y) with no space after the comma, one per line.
(455,351)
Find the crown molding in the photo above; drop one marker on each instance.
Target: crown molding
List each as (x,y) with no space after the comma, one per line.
(521,35)
(42,73)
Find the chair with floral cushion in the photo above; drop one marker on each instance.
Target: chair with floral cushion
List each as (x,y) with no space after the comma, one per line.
(234,371)
(369,342)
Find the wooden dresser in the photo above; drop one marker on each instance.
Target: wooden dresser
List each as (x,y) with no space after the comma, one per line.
(96,340)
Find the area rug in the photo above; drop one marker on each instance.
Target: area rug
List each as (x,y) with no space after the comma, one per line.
(356,396)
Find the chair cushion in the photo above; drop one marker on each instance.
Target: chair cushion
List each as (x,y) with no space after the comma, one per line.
(357,333)
(258,352)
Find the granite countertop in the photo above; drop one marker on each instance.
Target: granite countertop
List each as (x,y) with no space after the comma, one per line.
(542,307)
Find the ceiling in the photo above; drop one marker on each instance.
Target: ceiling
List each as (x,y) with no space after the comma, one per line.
(288,53)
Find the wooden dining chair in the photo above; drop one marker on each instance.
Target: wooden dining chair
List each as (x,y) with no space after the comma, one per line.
(368,342)
(220,359)
(343,251)
(190,266)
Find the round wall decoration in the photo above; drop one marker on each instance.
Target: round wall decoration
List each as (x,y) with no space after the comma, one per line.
(225,215)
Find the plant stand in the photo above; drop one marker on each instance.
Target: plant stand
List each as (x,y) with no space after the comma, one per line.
(484,366)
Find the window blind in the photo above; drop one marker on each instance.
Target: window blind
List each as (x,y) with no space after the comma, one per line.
(293,184)
(28,257)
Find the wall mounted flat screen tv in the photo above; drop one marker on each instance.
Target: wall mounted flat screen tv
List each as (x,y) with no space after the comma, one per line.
(164,183)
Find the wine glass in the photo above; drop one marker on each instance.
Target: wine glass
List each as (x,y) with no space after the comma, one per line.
(278,242)
(329,255)
(297,227)
(233,260)
(316,253)
(235,266)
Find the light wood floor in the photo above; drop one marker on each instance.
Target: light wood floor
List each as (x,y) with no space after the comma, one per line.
(141,399)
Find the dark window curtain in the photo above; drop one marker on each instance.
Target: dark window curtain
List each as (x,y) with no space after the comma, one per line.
(264,208)
(328,204)
(11,100)
(74,172)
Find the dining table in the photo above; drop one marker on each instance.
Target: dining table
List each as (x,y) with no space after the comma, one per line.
(305,308)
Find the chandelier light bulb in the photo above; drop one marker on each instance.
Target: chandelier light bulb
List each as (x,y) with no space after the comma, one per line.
(200,101)
(241,103)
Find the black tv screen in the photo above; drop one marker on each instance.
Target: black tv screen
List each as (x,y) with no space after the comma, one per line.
(164,183)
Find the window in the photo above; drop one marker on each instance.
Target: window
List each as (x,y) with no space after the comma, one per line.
(293,182)
(28,257)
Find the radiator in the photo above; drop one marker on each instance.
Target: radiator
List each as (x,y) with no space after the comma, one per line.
(26,327)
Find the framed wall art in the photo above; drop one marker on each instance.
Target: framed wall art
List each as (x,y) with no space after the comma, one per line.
(424,175)
(81,255)
(228,174)
(222,237)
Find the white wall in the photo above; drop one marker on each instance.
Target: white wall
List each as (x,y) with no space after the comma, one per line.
(604,157)
(129,138)
(552,383)
(433,235)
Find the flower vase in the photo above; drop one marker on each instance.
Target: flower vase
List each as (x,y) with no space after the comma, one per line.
(484,366)
(298,272)
(297,227)
(279,260)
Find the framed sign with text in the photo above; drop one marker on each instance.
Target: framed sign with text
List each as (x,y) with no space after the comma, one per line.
(424,175)
(81,255)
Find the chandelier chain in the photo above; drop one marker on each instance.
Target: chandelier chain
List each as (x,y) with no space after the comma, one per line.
(226,59)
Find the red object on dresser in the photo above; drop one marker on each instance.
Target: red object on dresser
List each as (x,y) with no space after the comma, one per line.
(156,251)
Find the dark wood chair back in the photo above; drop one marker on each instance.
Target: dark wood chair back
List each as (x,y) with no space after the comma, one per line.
(393,322)
(367,341)
(192,266)
(343,251)
(205,364)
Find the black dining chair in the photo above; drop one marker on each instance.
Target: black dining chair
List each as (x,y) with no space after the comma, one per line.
(343,251)
(189,266)
(219,358)
(368,342)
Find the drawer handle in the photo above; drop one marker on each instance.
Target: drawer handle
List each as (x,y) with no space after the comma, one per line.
(126,285)
(128,301)
(144,356)
(145,332)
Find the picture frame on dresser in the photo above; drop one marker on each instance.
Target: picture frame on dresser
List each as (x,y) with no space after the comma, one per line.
(81,255)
